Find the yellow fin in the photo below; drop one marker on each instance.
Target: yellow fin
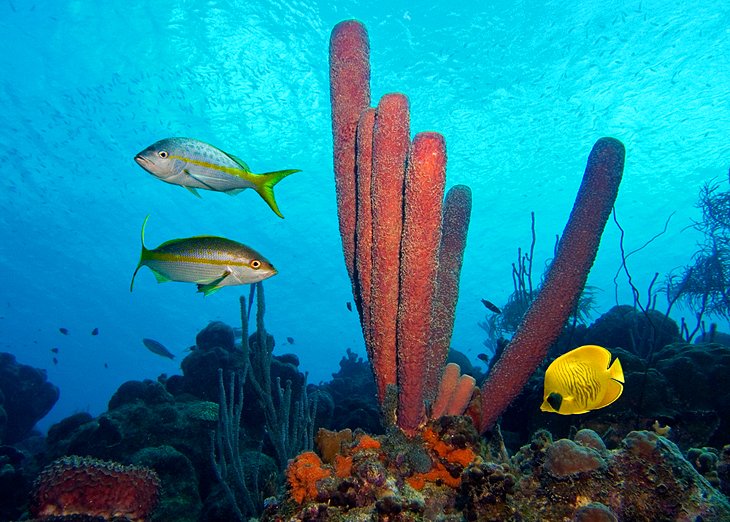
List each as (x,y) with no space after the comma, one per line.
(264,185)
(142,256)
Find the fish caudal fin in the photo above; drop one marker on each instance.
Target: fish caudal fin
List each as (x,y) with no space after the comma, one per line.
(264,185)
(615,385)
(142,256)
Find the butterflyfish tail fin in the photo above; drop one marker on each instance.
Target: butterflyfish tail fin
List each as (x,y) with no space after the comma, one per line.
(142,256)
(265,183)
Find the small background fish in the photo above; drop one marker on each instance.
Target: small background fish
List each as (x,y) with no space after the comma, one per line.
(157,348)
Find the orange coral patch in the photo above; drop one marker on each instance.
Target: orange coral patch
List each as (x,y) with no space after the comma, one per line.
(302,475)
(437,475)
(464,457)
(343,466)
(366,442)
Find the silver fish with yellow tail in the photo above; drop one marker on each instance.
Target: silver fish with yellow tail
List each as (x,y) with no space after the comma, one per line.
(582,380)
(194,164)
(209,261)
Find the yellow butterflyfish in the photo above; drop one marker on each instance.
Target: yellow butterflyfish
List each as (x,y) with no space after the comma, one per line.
(582,380)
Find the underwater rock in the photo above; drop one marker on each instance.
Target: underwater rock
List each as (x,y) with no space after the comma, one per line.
(64,428)
(130,427)
(713,337)
(216,335)
(179,499)
(484,490)
(629,328)
(590,439)
(13,483)
(27,398)
(147,392)
(352,389)
(594,512)
(680,391)
(200,371)
(723,470)
(564,458)
(695,373)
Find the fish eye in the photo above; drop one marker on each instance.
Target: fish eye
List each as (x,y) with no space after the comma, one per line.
(255,264)
(163,154)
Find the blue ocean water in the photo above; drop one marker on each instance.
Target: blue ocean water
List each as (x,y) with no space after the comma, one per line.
(520,90)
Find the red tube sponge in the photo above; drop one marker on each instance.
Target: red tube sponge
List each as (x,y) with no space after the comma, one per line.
(349,95)
(391,141)
(563,284)
(424,193)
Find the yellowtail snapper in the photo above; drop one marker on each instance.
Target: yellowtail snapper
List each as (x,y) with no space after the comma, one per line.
(211,262)
(194,164)
(158,348)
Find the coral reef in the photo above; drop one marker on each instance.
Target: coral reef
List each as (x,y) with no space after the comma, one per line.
(353,397)
(169,425)
(84,486)
(14,484)
(26,397)
(442,474)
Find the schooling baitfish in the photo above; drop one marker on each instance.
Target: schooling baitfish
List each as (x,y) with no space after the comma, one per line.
(194,164)
(582,380)
(209,261)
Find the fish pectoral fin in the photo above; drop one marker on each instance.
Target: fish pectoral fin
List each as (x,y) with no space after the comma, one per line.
(199,180)
(208,288)
(193,192)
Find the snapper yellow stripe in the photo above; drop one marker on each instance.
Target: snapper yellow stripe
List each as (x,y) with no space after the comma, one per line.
(181,258)
(240,172)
